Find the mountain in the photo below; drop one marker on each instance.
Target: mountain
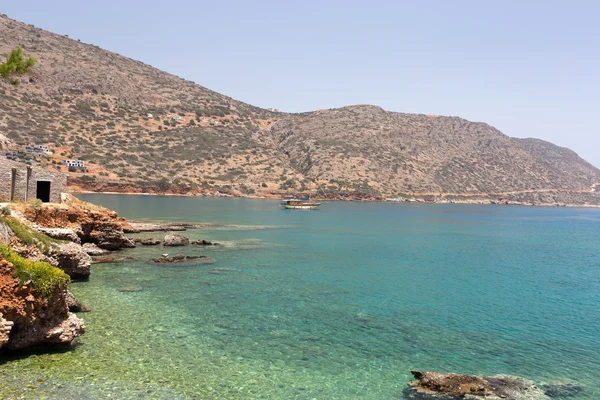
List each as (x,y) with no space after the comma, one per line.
(143,130)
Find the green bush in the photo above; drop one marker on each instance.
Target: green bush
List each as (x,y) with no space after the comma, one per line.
(16,63)
(46,278)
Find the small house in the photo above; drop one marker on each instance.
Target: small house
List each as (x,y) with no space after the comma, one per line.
(75,164)
(20,182)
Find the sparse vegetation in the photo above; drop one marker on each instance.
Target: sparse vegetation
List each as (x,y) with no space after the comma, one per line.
(46,278)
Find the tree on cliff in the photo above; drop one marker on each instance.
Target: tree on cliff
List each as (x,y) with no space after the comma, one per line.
(16,63)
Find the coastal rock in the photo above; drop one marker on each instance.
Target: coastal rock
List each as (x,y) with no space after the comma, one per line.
(106,236)
(61,234)
(180,258)
(31,320)
(435,385)
(74,304)
(73,259)
(204,243)
(150,242)
(175,239)
(91,223)
(93,250)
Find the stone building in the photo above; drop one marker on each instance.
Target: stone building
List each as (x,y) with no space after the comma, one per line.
(20,182)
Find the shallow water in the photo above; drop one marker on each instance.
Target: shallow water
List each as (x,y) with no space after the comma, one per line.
(339,303)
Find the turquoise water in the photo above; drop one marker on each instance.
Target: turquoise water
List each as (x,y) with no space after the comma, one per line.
(339,303)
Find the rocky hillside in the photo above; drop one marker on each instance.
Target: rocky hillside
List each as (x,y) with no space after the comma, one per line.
(143,130)
(365,146)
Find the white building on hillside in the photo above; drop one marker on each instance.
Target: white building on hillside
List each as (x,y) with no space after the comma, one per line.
(75,163)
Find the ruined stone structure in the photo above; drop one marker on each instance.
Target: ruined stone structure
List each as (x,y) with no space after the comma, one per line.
(20,182)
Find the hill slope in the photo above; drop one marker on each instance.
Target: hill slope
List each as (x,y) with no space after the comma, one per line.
(141,129)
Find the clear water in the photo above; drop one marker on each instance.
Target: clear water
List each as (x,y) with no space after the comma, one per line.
(339,303)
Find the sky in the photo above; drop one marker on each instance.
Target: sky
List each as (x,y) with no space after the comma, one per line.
(530,68)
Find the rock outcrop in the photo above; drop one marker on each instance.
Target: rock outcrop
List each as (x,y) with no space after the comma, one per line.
(73,259)
(90,223)
(61,234)
(435,385)
(175,239)
(28,319)
(93,249)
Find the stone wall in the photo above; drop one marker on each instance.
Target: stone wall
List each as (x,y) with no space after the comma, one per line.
(58,181)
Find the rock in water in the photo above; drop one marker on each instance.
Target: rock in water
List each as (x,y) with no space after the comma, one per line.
(73,259)
(165,259)
(175,239)
(435,385)
(150,242)
(204,242)
(562,389)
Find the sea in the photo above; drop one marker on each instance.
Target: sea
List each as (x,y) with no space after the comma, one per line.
(337,303)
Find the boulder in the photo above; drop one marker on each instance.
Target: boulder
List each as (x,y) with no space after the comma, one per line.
(175,239)
(93,250)
(435,385)
(73,259)
(106,235)
(150,242)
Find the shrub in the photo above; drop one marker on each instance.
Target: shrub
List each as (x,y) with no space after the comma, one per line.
(46,278)
(16,63)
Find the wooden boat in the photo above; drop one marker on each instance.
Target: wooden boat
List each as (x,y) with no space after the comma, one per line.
(293,203)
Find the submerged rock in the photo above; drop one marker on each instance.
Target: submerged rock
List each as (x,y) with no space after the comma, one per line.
(105,259)
(175,239)
(180,258)
(562,389)
(204,243)
(150,242)
(435,385)
(130,289)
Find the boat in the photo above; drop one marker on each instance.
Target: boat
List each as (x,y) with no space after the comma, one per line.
(299,203)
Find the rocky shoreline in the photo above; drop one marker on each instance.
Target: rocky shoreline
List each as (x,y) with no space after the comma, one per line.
(43,247)
(583,199)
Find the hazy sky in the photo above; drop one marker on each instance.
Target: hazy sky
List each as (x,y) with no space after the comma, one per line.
(529,68)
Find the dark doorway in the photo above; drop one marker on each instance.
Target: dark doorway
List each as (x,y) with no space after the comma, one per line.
(43,191)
